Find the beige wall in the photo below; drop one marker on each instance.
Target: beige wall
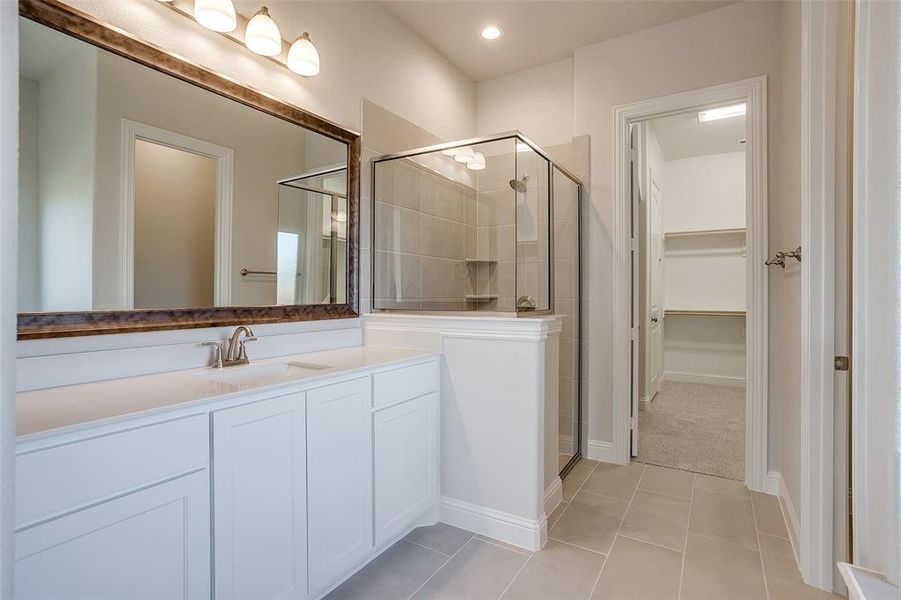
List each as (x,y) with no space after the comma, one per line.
(175,227)
(680,56)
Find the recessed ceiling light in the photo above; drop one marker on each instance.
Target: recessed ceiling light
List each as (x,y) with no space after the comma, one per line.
(492,33)
(722,112)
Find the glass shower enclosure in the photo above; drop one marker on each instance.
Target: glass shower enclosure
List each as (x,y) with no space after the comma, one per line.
(485,225)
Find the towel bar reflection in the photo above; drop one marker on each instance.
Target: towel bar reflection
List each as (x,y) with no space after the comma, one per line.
(245,272)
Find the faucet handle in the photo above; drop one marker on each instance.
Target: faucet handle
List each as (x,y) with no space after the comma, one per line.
(217,358)
(242,351)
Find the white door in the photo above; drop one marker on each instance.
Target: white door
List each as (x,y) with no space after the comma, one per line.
(406,460)
(655,293)
(154,543)
(339,479)
(259,499)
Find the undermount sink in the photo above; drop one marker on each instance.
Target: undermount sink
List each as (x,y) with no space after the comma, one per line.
(263,374)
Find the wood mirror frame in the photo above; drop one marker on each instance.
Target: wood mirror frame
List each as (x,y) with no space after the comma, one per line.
(77,24)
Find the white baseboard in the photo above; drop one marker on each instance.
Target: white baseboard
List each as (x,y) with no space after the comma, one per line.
(791,518)
(602,451)
(772,483)
(553,496)
(707,378)
(505,527)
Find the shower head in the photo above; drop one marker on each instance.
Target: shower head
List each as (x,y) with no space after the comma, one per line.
(519,185)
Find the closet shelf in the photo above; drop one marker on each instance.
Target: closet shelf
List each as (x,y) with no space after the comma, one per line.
(700,232)
(704,313)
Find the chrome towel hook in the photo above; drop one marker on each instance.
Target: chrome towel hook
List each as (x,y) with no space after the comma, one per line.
(780,257)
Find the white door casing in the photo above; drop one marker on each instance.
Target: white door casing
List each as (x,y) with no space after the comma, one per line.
(224,157)
(753,93)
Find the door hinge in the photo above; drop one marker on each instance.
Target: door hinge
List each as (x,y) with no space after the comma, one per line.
(634,333)
(633,422)
(842,363)
(633,244)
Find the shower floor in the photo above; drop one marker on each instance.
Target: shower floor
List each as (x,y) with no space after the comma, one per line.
(695,427)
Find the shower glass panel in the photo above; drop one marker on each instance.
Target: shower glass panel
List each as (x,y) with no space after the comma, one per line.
(567,287)
(462,228)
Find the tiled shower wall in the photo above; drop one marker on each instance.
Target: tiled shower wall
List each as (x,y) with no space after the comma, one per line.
(426,221)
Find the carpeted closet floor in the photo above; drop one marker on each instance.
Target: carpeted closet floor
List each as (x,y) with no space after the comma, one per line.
(695,427)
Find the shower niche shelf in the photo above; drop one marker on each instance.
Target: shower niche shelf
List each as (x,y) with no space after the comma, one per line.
(480,297)
(479,261)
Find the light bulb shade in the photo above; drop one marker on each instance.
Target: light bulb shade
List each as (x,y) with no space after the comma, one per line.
(464,155)
(477,163)
(262,35)
(303,57)
(218,15)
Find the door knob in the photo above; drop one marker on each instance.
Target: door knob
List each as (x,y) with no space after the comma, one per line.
(653,319)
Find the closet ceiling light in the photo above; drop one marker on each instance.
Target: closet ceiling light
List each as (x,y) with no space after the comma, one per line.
(218,15)
(722,112)
(464,155)
(303,58)
(492,33)
(477,163)
(262,35)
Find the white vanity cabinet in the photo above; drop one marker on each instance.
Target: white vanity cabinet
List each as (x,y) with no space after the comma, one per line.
(339,479)
(302,484)
(120,515)
(405,447)
(259,492)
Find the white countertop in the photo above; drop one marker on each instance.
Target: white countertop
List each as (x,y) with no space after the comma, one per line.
(54,409)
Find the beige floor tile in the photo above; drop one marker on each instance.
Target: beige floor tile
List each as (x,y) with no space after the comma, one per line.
(616,481)
(479,570)
(639,571)
(558,571)
(783,579)
(657,519)
(768,515)
(396,573)
(669,482)
(576,477)
(720,485)
(590,521)
(441,537)
(723,517)
(555,516)
(505,545)
(717,570)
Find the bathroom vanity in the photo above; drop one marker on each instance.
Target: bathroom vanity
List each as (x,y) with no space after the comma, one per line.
(275,479)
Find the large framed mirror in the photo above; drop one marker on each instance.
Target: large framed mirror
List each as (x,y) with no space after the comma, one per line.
(155,194)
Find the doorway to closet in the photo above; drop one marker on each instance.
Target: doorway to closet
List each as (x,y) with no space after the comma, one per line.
(689,212)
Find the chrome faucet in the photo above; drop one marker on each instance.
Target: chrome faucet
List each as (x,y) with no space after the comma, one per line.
(236,352)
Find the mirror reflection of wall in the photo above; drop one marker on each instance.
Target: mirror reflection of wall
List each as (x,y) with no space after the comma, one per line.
(139,190)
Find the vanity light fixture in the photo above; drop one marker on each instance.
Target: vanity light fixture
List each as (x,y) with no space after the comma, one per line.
(464,155)
(262,35)
(721,112)
(492,32)
(303,57)
(218,15)
(477,163)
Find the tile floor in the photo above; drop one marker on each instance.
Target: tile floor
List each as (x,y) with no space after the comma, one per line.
(622,532)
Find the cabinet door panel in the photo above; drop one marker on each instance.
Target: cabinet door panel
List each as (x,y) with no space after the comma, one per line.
(339,476)
(259,477)
(406,478)
(154,543)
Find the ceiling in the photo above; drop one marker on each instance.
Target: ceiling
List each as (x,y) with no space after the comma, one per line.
(535,32)
(682,136)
